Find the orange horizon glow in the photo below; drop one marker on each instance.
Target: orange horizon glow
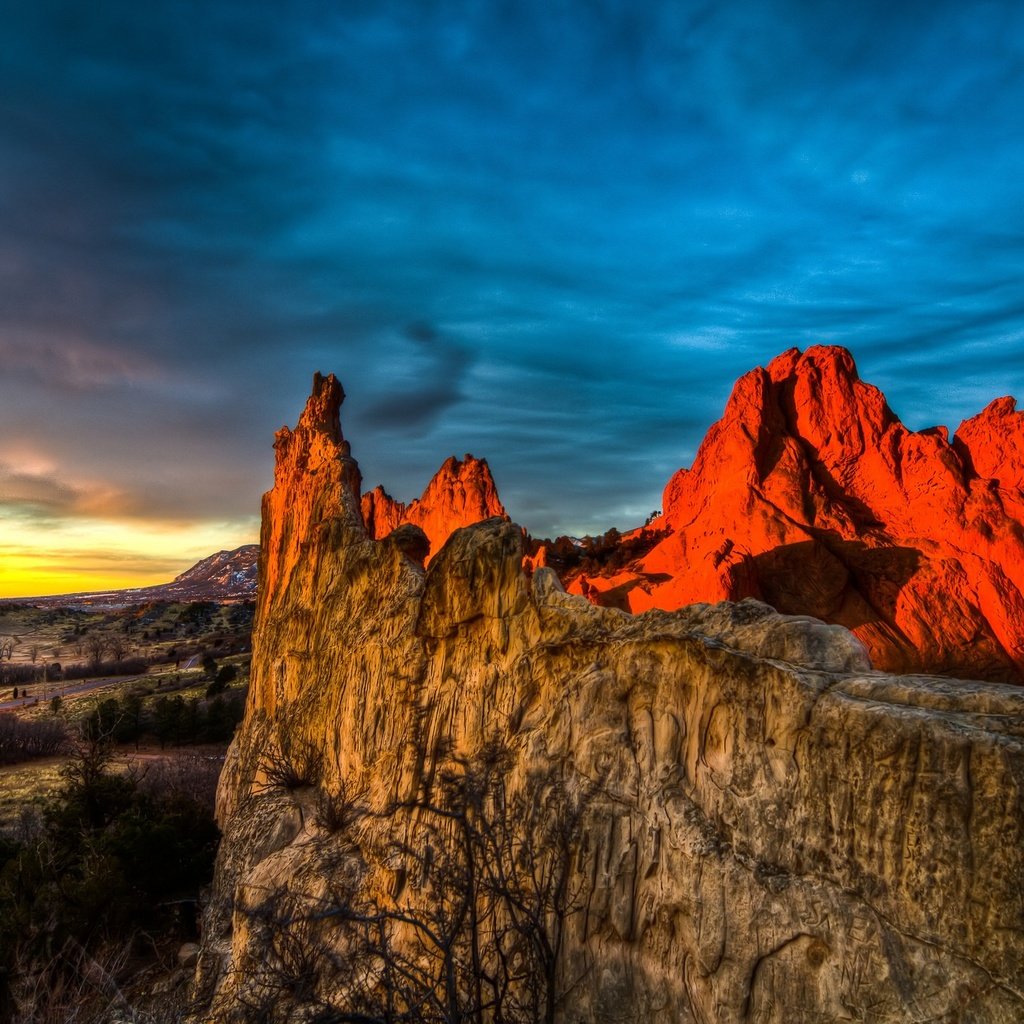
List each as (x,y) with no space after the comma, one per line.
(86,555)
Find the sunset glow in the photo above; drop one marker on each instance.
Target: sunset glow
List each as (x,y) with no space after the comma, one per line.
(82,555)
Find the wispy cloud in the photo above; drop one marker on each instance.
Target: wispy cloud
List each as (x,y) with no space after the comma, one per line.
(63,363)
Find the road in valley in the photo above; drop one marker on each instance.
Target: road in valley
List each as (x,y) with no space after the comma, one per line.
(41,692)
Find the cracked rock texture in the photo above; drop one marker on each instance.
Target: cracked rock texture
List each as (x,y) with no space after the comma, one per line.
(783,834)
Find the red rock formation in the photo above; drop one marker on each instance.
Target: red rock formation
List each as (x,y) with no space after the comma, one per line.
(992,443)
(460,494)
(316,457)
(811,494)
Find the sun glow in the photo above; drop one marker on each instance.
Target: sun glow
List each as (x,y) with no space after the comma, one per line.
(79,555)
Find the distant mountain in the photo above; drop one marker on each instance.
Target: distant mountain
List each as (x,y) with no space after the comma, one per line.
(227,576)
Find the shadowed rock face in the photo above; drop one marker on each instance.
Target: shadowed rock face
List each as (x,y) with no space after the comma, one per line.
(811,494)
(778,833)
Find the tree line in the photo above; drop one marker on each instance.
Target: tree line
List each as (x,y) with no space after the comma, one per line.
(171,720)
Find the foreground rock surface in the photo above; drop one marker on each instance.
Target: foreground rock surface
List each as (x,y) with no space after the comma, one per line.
(776,832)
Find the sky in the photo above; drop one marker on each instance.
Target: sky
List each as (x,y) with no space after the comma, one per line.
(549,233)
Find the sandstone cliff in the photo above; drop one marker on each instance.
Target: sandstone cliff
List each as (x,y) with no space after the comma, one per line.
(810,494)
(768,830)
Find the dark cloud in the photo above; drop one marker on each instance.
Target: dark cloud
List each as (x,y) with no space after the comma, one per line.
(421,374)
(552,234)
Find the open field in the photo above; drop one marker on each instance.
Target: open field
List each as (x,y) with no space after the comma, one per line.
(41,636)
(53,651)
(26,787)
(191,661)
(79,697)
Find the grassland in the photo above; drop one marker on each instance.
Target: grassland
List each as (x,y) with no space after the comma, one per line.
(179,650)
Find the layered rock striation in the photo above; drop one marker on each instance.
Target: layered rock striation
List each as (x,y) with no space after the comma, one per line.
(810,494)
(765,829)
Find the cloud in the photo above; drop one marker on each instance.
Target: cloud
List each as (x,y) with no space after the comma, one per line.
(421,373)
(68,363)
(553,235)
(43,496)
(35,494)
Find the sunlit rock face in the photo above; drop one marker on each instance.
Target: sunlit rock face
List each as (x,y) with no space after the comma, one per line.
(460,494)
(810,494)
(777,832)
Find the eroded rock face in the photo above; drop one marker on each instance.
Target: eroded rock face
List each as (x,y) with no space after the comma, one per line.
(777,833)
(810,494)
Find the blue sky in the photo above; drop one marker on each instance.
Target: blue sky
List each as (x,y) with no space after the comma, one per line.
(552,234)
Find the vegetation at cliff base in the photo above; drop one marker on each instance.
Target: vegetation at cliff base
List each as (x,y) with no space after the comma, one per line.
(106,882)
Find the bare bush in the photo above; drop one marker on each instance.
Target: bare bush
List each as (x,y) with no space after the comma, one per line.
(338,810)
(189,775)
(79,986)
(293,764)
(22,740)
(484,885)
(75,987)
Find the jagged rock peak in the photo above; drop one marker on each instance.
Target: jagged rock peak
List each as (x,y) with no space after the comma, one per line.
(319,425)
(816,396)
(992,443)
(460,493)
(315,480)
(323,408)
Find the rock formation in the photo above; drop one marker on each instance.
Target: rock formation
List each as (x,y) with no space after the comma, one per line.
(810,494)
(767,829)
(460,494)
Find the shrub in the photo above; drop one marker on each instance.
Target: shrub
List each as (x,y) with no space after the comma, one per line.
(22,740)
(294,764)
(227,674)
(337,811)
(106,871)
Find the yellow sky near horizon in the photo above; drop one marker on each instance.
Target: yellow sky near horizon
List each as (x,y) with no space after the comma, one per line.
(75,555)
